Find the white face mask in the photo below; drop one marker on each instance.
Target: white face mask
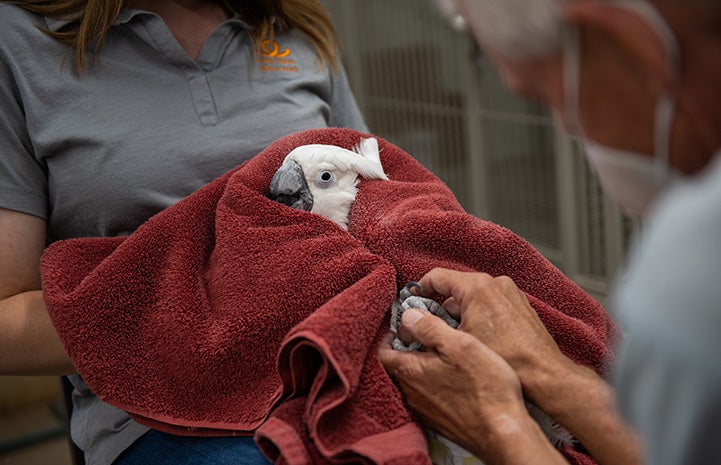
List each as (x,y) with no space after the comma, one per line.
(634,180)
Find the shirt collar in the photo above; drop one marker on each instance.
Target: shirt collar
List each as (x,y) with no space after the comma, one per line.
(235,19)
(56,24)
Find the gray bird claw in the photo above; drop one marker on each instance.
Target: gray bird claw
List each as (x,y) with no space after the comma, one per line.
(407,300)
(406,291)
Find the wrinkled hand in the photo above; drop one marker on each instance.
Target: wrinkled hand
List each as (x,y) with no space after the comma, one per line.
(457,385)
(501,347)
(497,313)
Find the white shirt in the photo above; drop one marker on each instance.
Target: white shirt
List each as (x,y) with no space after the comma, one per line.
(669,300)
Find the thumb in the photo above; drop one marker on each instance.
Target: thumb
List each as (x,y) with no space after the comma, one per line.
(426,328)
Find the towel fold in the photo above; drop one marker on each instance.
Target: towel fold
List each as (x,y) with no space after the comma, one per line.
(231,314)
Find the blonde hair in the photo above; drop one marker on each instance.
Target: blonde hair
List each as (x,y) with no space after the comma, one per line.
(91,20)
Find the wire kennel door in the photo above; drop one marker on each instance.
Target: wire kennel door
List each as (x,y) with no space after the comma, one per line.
(424,87)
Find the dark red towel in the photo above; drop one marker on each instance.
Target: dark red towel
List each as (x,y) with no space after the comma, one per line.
(229,313)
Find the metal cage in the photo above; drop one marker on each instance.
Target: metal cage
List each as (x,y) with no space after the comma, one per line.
(426,88)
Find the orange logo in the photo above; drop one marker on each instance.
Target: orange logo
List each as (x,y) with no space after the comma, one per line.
(271,48)
(273,60)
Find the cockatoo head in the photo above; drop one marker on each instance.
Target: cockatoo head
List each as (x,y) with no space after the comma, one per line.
(323,179)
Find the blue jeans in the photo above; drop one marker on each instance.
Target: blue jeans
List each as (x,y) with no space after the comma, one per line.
(158,448)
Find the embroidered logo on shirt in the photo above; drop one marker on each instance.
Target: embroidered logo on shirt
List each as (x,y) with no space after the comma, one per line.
(274,60)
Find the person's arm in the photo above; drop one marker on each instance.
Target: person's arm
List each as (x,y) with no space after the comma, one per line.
(466,392)
(498,314)
(584,404)
(29,344)
(344,111)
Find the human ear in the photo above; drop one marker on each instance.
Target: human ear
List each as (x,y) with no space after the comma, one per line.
(631,31)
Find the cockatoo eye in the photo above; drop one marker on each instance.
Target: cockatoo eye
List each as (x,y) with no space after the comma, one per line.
(325,179)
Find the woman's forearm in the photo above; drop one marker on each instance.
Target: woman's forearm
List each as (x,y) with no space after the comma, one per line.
(29,344)
(584,404)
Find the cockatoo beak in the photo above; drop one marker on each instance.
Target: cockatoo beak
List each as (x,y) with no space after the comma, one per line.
(289,187)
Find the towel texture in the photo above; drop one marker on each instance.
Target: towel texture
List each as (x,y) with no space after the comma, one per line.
(229,313)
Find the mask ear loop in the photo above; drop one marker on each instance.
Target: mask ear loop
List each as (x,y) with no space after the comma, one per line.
(572,80)
(665,111)
(666,105)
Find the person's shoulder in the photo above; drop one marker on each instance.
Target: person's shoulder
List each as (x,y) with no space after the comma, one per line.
(23,35)
(686,224)
(693,202)
(13,17)
(19,28)
(672,281)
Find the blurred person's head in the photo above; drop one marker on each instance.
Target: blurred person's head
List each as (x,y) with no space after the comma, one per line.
(637,80)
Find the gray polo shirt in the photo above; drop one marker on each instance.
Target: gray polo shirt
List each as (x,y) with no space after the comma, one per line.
(98,154)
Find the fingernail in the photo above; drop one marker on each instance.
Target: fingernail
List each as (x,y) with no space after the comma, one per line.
(410,316)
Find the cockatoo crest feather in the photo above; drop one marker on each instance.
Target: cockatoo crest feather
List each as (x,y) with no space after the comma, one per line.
(364,158)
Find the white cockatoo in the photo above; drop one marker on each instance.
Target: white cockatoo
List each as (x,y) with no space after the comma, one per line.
(323,179)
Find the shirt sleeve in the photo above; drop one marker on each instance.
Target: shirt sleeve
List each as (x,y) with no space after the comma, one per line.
(344,109)
(23,179)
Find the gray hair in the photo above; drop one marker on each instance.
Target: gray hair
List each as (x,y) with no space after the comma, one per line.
(523,29)
(520,29)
